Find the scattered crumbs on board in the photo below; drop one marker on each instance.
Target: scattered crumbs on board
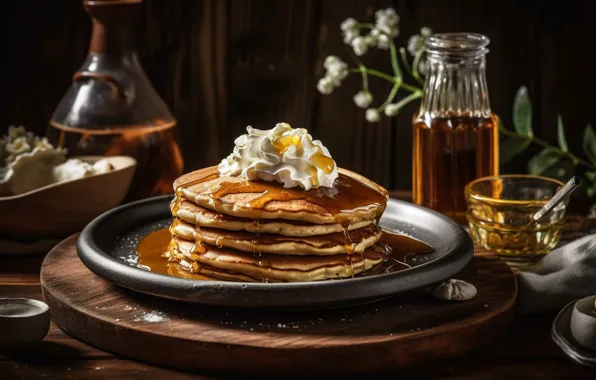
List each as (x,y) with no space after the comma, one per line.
(154,316)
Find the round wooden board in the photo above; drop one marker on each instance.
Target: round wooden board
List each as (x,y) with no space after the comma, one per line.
(405,330)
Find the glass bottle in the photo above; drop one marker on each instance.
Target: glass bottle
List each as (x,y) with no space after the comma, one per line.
(455,136)
(111,108)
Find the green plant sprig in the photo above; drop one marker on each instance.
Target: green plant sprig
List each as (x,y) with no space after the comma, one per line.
(397,79)
(552,161)
(382,75)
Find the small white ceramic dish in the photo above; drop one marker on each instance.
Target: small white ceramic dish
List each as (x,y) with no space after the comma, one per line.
(562,336)
(60,209)
(24,322)
(583,322)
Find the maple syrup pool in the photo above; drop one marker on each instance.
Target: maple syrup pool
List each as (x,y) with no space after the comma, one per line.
(401,251)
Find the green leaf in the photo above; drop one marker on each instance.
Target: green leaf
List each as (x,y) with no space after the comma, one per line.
(561,135)
(542,161)
(563,170)
(590,144)
(522,113)
(510,148)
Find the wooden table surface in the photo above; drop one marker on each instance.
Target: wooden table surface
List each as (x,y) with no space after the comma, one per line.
(526,351)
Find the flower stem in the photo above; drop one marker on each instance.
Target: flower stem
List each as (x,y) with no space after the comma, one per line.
(533,139)
(362,70)
(402,103)
(404,60)
(411,88)
(394,61)
(390,97)
(364,77)
(415,65)
(376,73)
(389,78)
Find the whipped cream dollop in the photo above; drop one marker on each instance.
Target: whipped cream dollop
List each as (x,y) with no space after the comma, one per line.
(283,154)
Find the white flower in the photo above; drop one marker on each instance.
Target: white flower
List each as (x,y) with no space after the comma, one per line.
(363,99)
(335,80)
(330,60)
(337,70)
(387,16)
(372,115)
(349,24)
(383,42)
(359,45)
(386,21)
(415,44)
(370,40)
(389,30)
(350,35)
(349,29)
(391,109)
(325,86)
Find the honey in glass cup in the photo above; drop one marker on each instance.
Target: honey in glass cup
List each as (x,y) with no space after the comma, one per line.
(499,210)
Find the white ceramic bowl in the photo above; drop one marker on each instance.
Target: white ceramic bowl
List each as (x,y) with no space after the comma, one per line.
(61,209)
(583,322)
(23,322)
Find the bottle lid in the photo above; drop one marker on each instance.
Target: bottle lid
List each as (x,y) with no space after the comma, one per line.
(461,44)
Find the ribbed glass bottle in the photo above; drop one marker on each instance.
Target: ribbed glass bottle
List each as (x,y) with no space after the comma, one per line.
(455,133)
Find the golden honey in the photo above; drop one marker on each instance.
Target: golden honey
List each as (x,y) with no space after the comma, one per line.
(499,213)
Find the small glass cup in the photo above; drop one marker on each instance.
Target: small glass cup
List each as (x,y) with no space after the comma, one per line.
(500,208)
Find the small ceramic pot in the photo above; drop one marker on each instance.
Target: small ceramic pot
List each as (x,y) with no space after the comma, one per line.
(23,322)
(583,322)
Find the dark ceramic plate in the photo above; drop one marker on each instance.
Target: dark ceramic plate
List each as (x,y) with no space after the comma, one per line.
(561,335)
(107,247)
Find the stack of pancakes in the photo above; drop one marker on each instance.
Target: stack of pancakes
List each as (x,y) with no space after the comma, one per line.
(229,228)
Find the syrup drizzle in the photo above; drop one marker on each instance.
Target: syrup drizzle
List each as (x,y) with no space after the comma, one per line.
(348,239)
(398,250)
(347,198)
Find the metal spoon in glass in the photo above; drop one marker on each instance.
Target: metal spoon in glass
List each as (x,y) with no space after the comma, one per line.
(559,196)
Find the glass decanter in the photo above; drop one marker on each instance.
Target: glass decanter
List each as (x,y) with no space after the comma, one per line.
(111,108)
(455,136)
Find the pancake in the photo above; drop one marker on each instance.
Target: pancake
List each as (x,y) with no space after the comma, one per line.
(192,213)
(332,244)
(273,268)
(352,199)
(194,271)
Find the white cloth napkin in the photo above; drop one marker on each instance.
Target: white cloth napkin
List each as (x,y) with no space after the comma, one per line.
(566,274)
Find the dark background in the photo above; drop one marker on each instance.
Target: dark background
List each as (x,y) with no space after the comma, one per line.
(221,65)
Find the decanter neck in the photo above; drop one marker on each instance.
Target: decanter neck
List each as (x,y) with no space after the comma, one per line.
(112,26)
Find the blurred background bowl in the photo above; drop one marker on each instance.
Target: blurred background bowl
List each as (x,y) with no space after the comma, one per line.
(60,209)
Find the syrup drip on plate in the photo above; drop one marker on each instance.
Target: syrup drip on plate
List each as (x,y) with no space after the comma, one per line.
(398,249)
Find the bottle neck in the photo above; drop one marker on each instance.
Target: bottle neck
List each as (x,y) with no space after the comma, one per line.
(111,39)
(455,86)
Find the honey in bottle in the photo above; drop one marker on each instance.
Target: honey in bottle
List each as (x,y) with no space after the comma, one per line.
(111,108)
(455,134)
